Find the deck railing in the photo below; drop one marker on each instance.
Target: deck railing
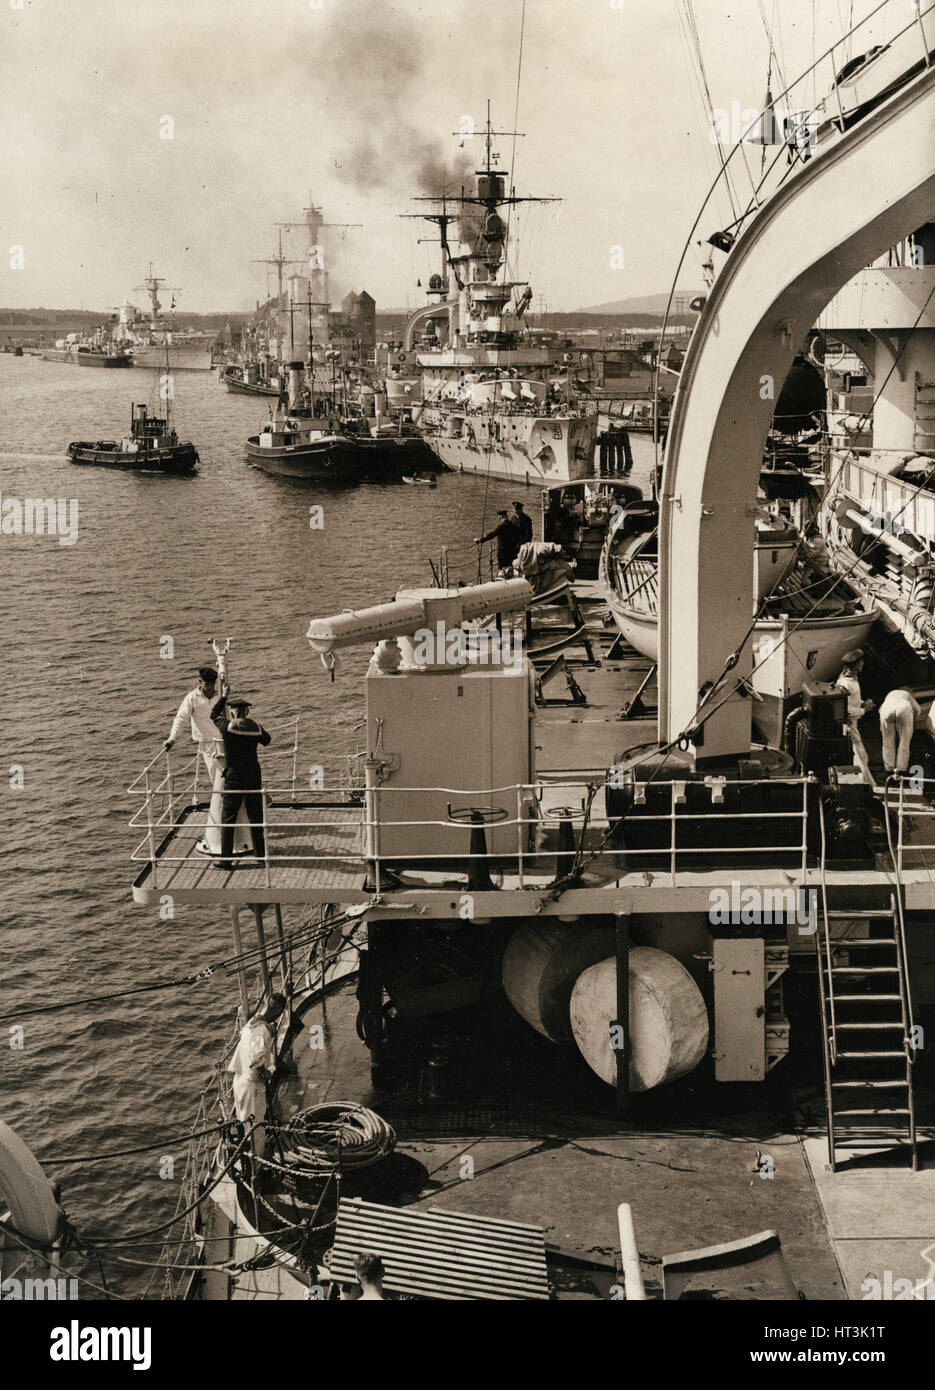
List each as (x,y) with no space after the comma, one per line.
(550,829)
(913,801)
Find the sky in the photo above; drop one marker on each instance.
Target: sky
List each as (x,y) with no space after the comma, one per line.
(355,102)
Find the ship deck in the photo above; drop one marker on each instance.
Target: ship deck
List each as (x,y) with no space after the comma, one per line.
(317,845)
(533,1139)
(535,1142)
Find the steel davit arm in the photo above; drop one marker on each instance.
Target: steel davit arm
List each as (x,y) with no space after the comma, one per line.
(848,205)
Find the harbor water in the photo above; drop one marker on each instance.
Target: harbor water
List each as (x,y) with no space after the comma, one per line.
(102,639)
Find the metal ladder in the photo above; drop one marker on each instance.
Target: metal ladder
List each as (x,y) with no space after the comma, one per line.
(867,1034)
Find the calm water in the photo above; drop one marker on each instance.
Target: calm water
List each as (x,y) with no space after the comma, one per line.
(87,701)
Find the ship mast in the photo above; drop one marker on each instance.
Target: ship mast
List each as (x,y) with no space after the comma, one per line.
(488,242)
(311,359)
(152,285)
(279,262)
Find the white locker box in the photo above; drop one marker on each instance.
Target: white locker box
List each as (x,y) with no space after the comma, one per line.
(467,729)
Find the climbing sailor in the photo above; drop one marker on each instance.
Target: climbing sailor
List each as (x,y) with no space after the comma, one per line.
(253,1065)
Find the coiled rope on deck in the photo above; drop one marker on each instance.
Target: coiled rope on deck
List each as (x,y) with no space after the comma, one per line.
(337,1134)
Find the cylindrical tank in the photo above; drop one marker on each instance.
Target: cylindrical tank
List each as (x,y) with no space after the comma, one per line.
(541,963)
(668,1018)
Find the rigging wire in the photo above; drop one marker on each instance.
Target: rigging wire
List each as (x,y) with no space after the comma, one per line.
(699,58)
(705,119)
(143,1148)
(308,932)
(10,1232)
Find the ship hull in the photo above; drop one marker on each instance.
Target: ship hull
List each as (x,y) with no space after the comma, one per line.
(331,460)
(246,388)
(391,457)
(181,459)
(183,358)
(87,359)
(539,450)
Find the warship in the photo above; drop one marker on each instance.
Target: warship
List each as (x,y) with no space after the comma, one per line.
(94,351)
(485,395)
(146,339)
(547,927)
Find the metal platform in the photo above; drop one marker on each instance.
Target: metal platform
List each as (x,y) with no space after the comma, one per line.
(317,844)
(442,1254)
(296,832)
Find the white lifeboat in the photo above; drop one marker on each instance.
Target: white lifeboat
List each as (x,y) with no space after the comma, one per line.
(26,1191)
(412,610)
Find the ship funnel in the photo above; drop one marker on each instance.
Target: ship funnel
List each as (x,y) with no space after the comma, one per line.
(296,373)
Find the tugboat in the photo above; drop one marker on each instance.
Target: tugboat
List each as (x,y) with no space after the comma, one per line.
(297,443)
(152,446)
(245,381)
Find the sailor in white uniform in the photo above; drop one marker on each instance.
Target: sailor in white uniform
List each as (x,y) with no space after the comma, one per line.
(899,715)
(195,713)
(253,1065)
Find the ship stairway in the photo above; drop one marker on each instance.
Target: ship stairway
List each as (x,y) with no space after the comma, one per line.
(867,1033)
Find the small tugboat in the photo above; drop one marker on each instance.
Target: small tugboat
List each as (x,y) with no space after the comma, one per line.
(388,452)
(246,381)
(299,443)
(152,446)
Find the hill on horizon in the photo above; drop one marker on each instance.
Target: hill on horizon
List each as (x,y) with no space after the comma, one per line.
(645,304)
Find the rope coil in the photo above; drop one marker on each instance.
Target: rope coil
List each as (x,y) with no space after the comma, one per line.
(337,1134)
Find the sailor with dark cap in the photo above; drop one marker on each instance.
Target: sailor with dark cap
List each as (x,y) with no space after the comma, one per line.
(195,711)
(522,522)
(852,663)
(506,535)
(243,781)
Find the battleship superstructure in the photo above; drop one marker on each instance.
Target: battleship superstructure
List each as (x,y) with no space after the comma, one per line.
(486,396)
(146,338)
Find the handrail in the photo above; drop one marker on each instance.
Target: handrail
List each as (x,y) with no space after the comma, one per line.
(830,1039)
(348,818)
(902,946)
